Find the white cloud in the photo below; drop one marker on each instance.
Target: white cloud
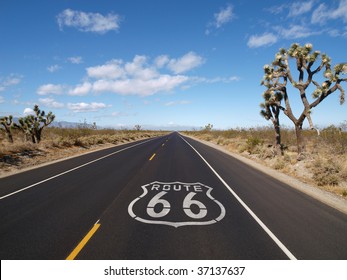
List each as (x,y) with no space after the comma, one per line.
(224,16)
(86,107)
(185,63)
(266,39)
(277,9)
(140,87)
(295,32)
(75,59)
(141,76)
(139,69)
(341,11)
(51,103)
(323,13)
(320,14)
(338,32)
(50,89)
(293,9)
(28,111)
(53,68)
(111,70)
(161,60)
(88,22)
(299,8)
(82,89)
(2,99)
(8,81)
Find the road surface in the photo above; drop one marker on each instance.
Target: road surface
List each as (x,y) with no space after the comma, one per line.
(169,197)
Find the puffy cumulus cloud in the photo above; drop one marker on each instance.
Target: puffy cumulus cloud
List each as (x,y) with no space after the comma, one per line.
(140,87)
(111,70)
(141,76)
(140,69)
(88,22)
(28,111)
(266,39)
(50,89)
(50,103)
(86,107)
(161,61)
(81,89)
(185,63)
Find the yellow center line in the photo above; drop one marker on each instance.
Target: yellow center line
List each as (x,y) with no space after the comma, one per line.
(152,156)
(84,241)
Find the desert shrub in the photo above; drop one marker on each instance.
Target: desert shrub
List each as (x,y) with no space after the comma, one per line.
(252,143)
(335,138)
(66,142)
(326,172)
(279,164)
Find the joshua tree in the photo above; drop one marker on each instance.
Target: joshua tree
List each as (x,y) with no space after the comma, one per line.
(137,127)
(208,127)
(271,111)
(33,124)
(308,63)
(8,124)
(25,124)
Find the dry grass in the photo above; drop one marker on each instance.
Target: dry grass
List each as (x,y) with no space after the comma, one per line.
(324,165)
(60,143)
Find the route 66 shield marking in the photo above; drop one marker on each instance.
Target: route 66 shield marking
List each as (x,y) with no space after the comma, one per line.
(176,204)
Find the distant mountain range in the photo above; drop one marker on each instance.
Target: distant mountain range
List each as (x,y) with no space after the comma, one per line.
(61,124)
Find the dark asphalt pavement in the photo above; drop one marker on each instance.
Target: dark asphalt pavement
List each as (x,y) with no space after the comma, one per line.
(169,197)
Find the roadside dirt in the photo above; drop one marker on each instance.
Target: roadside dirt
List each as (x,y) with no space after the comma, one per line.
(23,161)
(326,197)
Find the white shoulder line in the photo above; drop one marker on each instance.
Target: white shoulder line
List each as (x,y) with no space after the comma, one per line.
(255,217)
(73,169)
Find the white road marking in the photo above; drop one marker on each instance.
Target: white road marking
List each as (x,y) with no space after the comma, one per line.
(73,169)
(254,216)
(187,202)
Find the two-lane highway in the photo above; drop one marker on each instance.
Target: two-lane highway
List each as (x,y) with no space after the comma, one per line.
(169,197)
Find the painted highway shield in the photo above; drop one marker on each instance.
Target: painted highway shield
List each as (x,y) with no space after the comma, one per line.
(176,204)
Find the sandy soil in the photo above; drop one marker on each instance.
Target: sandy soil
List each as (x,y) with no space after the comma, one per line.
(326,197)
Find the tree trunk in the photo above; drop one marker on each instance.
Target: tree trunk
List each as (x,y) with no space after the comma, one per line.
(38,135)
(299,140)
(9,135)
(278,145)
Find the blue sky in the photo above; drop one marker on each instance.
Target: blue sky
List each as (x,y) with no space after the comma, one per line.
(160,64)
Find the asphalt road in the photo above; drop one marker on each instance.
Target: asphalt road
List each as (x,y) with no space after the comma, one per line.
(169,197)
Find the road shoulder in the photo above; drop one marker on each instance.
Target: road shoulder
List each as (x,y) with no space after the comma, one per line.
(323,196)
